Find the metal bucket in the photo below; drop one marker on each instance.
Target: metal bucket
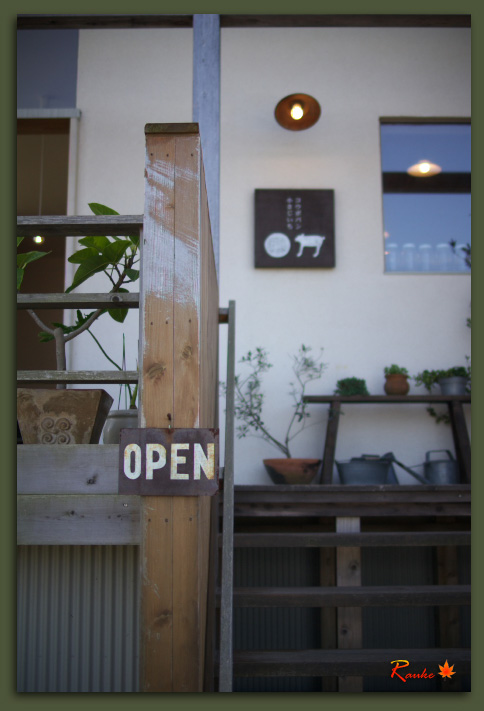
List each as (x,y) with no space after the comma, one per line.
(441,471)
(366,470)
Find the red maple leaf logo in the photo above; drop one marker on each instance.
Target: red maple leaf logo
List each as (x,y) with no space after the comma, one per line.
(446,671)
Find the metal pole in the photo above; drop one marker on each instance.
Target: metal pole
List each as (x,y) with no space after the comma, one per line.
(226,604)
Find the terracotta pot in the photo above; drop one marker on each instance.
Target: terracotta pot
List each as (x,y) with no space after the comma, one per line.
(396,384)
(292,471)
(116,421)
(62,416)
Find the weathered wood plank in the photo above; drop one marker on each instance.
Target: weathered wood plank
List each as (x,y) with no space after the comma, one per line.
(86,22)
(78,520)
(77,377)
(174,314)
(350,625)
(156,400)
(318,540)
(462,441)
(330,443)
(77,301)
(344,662)
(79,226)
(333,500)
(89,22)
(349,20)
(385,399)
(347,596)
(67,469)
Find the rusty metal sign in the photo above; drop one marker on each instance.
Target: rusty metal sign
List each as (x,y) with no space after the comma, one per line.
(169,462)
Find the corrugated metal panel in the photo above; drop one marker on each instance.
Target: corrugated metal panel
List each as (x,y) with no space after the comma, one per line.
(77,617)
(398,627)
(276,628)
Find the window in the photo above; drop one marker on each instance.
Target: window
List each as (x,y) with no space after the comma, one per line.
(426,196)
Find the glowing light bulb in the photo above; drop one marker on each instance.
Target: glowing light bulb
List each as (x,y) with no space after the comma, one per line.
(297,112)
(38,239)
(424,169)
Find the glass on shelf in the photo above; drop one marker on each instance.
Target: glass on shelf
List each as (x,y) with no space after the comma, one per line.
(408,263)
(425,255)
(391,257)
(444,257)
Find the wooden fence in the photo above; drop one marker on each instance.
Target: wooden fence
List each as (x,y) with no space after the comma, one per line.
(68,493)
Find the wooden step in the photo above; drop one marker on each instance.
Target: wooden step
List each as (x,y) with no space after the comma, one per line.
(347,662)
(324,540)
(371,596)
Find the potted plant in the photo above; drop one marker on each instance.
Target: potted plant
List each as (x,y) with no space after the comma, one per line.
(351,386)
(249,402)
(396,380)
(453,381)
(121,418)
(76,416)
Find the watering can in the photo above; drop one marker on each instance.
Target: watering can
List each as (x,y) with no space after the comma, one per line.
(437,472)
(367,469)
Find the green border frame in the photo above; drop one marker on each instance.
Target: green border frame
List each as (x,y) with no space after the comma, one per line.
(8,12)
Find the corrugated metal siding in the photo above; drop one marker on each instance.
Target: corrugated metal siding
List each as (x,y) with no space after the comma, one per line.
(276,628)
(77,617)
(398,627)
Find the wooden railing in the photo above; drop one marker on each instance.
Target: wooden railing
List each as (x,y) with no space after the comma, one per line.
(178,377)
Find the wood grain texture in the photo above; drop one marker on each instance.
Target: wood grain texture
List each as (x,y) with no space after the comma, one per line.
(67,469)
(174,311)
(79,226)
(78,520)
(350,627)
(352,596)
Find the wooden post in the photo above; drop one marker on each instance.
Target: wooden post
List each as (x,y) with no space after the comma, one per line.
(178,388)
(348,572)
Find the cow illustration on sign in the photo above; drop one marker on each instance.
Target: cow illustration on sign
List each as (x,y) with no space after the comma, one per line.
(314,241)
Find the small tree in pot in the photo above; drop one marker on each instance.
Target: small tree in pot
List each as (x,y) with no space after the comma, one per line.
(249,402)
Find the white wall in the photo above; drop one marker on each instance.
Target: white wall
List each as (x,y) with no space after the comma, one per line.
(126,79)
(363,318)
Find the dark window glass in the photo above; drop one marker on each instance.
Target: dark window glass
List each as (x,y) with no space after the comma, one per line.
(46,69)
(427,220)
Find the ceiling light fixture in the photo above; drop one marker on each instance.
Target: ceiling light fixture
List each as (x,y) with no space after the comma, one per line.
(424,169)
(297,112)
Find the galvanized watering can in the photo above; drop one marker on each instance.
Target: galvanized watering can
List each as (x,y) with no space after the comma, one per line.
(367,469)
(438,472)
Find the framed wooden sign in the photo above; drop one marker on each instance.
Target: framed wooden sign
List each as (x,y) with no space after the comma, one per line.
(168,462)
(294,228)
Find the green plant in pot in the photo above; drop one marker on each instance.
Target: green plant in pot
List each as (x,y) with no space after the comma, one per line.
(351,386)
(249,403)
(453,381)
(396,380)
(120,418)
(77,416)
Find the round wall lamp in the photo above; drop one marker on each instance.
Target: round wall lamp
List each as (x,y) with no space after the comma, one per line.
(297,112)
(424,169)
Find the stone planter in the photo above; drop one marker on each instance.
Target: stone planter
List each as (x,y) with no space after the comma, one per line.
(292,471)
(118,420)
(62,416)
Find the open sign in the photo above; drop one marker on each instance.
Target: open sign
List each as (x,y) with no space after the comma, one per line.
(168,462)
